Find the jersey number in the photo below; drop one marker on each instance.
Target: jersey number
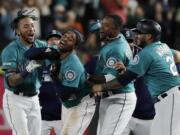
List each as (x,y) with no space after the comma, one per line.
(172,67)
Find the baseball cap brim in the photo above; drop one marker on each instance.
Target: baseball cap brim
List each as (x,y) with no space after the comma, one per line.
(136,30)
(53,35)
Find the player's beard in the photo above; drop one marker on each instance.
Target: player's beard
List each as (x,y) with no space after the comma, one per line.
(26,38)
(142,44)
(104,36)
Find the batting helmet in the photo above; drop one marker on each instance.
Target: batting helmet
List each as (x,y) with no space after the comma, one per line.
(147,26)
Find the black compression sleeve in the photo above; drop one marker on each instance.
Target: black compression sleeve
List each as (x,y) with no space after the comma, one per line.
(127,77)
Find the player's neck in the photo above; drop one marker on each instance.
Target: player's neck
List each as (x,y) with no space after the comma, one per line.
(65,54)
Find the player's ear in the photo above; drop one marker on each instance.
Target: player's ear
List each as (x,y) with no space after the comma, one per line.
(149,36)
(17,32)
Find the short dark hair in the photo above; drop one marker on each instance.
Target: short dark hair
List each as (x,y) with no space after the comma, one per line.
(21,14)
(117,20)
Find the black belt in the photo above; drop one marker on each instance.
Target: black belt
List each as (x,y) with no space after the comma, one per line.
(109,93)
(162,96)
(25,94)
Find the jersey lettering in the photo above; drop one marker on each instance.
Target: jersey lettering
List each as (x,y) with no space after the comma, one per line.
(170,60)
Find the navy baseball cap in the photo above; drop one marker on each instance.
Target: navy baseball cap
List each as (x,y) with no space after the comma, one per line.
(54,33)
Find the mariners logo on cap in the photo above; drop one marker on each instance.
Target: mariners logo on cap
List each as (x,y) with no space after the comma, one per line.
(111,62)
(135,60)
(70,75)
(128,34)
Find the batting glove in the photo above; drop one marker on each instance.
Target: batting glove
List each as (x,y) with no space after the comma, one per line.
(32,65)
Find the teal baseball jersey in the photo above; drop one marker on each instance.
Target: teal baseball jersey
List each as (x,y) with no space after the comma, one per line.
(13,58)
(112,52)
(72,74)
(156,63)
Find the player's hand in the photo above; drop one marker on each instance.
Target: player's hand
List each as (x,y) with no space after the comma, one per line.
(119,66)
(54,69)
(52,54)
(97,88)
(94,26)
(32,65)
(97,94)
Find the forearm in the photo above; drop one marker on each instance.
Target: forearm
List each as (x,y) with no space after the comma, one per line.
(114,84)
(101,78)
(42,53)
(15,79)
(121,80)
(64,92)
(35,53)
(97,79)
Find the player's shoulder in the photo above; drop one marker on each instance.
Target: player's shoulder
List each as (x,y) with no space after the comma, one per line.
(74,63)
(120,43)
(10,48)
(158,49)
(77,63)
(40,43)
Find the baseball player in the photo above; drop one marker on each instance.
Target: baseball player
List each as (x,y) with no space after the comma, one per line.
(141,121)
(116,107)
(20,100)
(156,63)
(70,81)
(49,101)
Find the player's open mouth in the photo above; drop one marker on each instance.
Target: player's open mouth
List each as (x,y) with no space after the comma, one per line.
(62,43)
(31,36)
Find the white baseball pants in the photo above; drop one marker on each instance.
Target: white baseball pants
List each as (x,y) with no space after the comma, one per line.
(76,119)
(166,120)
(115,112)
(138,127)
(48,125)
(22,113)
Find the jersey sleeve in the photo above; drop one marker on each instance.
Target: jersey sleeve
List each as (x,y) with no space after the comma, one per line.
(72,77)
(173,52)
(40,43)
(9,59)
(140,63)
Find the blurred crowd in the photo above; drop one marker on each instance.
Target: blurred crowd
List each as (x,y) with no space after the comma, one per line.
(62,14)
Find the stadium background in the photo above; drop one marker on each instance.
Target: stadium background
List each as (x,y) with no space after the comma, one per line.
(62,14)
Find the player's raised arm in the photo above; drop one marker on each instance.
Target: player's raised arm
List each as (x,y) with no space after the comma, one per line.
(42,53)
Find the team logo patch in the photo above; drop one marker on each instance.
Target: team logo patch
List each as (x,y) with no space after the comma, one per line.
(135,60)
(111,62)
(70,75)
